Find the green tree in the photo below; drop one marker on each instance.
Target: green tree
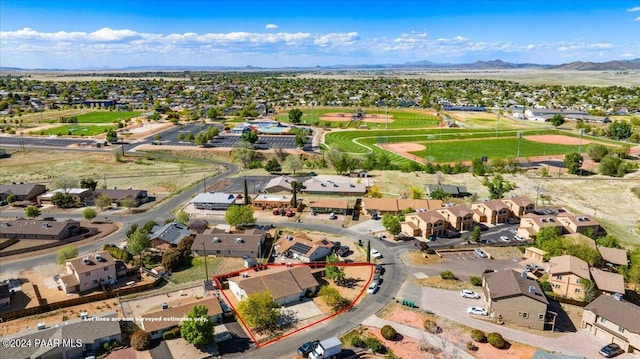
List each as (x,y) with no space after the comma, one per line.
(243,153)
(63,200)
(546,234)
(293,163)
(129,203)
(295,115)
(332,271)
(249,136)
(182,217)
(498,186)
(438,193)
(609,166)
(213,113)
(557,120)
(259,311)
(332,297)
(65,183)
(139,241)
(391,223)
(300,139)
(66,253)
(417,192)
(88,183)
(476,233)
(112,136)
(609,240)
(589,289)
(236,216)
(620,130)
(89,214)
(11,198)
(573,161)
(273,166)
(478,168)
(198,328)
(148,225)
(597,151)
(32,211)
(102,201)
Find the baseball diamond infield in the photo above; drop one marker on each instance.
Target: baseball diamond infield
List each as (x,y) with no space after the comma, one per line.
(344,117)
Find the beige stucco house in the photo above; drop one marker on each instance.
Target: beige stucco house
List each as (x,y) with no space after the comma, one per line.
(565,275)
(423,225)
(614,321)
(89,272)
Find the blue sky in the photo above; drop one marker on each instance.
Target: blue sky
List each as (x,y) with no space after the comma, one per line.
(81,34)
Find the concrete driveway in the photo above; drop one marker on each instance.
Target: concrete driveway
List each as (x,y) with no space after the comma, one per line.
(451,305)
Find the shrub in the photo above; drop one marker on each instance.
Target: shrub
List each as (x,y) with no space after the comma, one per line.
(496,340)
(447,275)
(478,336)
(475,280)
(375,345)
(140,340)
(356,341)
(430,326)
(545,286)
(388,332)
(171,334)
(471,346)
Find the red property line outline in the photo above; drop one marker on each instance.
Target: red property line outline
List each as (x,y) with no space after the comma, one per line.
(218,282)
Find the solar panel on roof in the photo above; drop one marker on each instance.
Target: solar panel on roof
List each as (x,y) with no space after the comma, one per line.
(300,248)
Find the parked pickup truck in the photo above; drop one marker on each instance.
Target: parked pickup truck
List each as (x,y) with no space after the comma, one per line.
(327,348)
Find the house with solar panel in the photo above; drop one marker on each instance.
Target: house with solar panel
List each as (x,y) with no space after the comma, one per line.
(304,248)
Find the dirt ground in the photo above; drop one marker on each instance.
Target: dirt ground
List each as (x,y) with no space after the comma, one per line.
(345,117)
(557,139)
(453,332)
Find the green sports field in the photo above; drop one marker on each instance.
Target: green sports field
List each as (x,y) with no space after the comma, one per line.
(77,130)
(400,118)
(106,117)
(453,151)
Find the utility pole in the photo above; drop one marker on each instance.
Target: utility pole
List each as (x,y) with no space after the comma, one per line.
(386,124)
(206,267)
(519,140)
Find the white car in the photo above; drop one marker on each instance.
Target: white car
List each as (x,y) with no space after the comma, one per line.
(375,254)
(480,253)
(477,311)
(373,287)
(505,239)
(465,293)
(519,238)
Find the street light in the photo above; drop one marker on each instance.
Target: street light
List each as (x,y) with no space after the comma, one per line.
(581,132)
(519,140)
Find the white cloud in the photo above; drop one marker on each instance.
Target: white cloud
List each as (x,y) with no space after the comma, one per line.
(336,40)
(634,9)
(637,19)
(271,26)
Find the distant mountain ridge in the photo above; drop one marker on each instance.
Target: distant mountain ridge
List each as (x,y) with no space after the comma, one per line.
(614,65)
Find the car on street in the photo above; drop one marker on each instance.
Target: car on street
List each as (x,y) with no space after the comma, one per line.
(379,269)
(307,348)
(477,311)
(375,254)
(519,238)
(480,253)
(611,350)
(376,279)
(505,239)
(465,293)
(333,216)
(372,289)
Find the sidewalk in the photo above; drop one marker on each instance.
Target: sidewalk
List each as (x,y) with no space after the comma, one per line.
(432,339)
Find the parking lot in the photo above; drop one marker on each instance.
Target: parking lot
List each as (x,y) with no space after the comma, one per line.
(467,263)
(255,184)
(263,143)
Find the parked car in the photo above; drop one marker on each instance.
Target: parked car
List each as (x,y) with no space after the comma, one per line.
(477,311)
(307,348)
(343,251)
(376,279)
(519,238)
(375,254)
(333,216)
(611,350)
(480,253)
(505,239)
(465,293)
(372,289)
(379,269)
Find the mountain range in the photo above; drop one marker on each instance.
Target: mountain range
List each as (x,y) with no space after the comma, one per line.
(615,65)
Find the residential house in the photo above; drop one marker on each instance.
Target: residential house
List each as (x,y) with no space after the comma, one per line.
(79,195)
(79,338)
(565,275)
(493,211)
(424,225)
(286,286)
(608,282)
(519,205)
(5,295)
(22,191)
(159,321)
(418,204)
(337,186)
(513,297)
(116,195)
(213,201)
(614,321)
(460,217)
(279,184)
(39,229)
(531,223)
(332,205)
(88,272)
(270,201)
(614,256)
(450,190)
(379,206)
(216,242)
(579,224)
(304,248)
(534,253)
(169,235)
